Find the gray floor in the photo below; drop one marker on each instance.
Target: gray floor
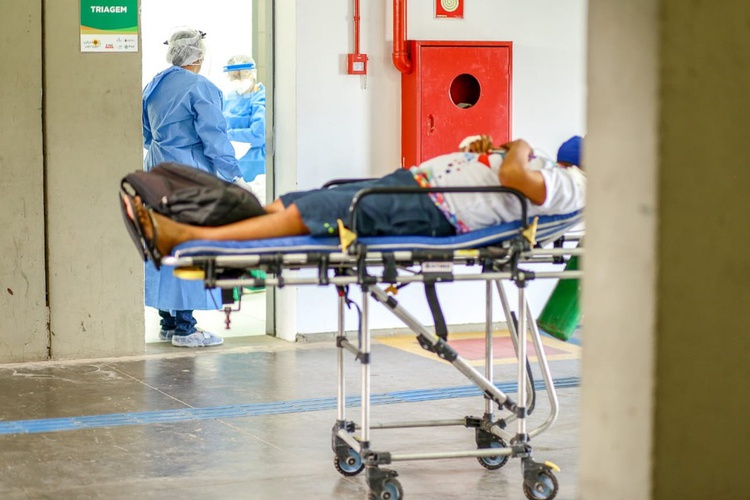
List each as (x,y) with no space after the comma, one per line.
(250,420)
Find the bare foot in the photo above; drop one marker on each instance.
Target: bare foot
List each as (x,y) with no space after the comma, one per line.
(168,232)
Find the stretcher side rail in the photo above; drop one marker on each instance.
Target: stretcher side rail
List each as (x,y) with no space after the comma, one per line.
(362,193)
(346,280)
(220,270)
(341,259)
(346,180)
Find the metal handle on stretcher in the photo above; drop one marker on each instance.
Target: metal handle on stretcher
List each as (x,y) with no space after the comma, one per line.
(412,190)
(336,182)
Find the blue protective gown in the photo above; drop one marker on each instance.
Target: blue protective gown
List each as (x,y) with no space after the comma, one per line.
(246,122)
(183,123)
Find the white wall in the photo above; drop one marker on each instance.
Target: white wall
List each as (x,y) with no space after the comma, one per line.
(228,27)
(342,129)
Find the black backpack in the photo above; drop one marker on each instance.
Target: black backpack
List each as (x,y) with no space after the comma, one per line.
(190,195)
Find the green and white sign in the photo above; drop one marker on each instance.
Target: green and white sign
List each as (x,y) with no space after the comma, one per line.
(109,25)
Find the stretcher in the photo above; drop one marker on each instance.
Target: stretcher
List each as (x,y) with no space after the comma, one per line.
(378,266)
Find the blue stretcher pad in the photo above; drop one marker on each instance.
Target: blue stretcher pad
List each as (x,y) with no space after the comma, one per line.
(549,227)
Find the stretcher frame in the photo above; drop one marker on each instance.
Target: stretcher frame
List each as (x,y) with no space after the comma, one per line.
(352,264)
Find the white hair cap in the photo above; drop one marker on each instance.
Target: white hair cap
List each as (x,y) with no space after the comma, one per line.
(185,47)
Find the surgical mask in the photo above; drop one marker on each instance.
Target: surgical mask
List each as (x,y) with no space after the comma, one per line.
(241,86)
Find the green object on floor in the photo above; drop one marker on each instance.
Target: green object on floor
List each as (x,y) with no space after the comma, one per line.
(562,313)
(256,274)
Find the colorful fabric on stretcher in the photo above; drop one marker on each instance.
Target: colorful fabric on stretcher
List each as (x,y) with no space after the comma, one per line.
(549,227)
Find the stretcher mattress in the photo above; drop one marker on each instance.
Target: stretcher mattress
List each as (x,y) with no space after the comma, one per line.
(549,227)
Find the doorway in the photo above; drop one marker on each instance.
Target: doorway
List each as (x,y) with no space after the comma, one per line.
(232,27)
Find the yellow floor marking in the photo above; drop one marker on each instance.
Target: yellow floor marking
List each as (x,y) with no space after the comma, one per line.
(470,345)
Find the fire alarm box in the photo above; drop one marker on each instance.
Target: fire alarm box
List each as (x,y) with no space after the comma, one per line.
(356,64)
(455,89)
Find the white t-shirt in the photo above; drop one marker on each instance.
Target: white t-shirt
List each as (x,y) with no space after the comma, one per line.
(566,189)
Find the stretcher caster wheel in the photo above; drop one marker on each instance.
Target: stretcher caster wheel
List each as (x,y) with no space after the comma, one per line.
(350,465)
(542,487)
(391,490)
(493,463)
(383,484)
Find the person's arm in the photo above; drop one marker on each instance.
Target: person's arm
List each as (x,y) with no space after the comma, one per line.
(255,132)
(211,127)
(147,137)
(514,172)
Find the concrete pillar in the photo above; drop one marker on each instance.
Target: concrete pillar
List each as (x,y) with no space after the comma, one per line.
(667,288)
(92,131)
(23,307)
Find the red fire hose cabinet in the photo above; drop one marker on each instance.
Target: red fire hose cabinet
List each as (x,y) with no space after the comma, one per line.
(455,89)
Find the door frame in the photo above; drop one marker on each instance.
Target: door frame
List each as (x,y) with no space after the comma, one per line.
(263,53)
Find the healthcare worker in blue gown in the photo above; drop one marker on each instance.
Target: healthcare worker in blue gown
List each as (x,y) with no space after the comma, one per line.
(245,112)
(183,123)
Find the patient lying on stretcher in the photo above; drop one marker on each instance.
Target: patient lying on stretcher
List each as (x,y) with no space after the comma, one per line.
(550,187)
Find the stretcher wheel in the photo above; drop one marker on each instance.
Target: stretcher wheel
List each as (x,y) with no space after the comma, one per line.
(543,487)
(493,463)
(349,466)
(392,490)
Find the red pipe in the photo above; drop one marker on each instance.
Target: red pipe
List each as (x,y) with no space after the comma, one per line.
(400,55)
(356,26)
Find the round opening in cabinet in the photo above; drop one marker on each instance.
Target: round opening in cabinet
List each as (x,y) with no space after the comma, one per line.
(465,91)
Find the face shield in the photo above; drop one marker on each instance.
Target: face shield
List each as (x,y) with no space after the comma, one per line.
(241,77)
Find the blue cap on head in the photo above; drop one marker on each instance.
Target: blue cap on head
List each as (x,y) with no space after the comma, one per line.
(570,151)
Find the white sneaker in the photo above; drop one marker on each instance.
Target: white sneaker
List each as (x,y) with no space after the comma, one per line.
(200,338)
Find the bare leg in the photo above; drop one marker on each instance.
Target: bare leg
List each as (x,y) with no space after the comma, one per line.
(287,222)
(275,206)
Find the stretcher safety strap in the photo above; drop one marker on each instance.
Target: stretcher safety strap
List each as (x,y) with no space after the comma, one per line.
(441,329)
(344,293)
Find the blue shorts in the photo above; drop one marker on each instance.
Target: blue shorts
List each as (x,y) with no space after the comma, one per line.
(377,215)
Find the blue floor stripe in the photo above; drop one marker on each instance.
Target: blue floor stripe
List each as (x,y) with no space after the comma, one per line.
(250,410)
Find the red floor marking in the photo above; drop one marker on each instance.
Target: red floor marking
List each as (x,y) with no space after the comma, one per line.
(473,349)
